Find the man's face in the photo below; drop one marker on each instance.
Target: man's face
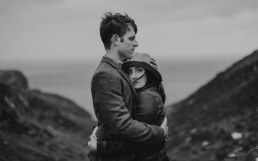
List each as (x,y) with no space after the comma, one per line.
(127,46)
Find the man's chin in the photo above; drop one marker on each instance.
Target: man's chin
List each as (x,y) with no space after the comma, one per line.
(129,56)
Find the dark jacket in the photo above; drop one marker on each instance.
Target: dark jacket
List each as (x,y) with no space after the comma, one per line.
(113,97)
(148,108)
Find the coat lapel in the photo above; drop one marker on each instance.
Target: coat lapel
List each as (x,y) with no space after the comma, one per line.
(122,73)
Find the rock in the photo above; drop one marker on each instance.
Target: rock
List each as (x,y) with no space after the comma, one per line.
(236,135)
(7,103)
(40,126)
(232,155)
(5,142)
(205,143)
(14,79)
(252,154)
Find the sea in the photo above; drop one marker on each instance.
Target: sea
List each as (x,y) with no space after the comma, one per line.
(72,79)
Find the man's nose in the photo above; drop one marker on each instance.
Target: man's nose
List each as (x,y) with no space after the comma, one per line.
(136,43)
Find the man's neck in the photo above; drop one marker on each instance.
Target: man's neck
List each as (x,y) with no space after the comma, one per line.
(114,56)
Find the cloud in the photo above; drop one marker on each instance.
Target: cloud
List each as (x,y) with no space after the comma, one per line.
(65,29)
(214,37)
(178,10)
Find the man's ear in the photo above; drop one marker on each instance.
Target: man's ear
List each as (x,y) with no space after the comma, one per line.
(115,39)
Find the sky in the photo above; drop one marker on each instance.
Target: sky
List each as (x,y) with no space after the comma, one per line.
(192,40)
(68,30)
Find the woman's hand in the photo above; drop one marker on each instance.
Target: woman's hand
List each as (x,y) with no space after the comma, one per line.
(92,144)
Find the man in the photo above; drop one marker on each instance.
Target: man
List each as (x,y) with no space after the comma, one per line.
(113,95)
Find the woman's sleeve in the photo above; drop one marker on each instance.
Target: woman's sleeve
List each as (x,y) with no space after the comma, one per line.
(146,109)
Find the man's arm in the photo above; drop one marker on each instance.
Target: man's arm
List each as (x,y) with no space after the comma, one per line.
(108,100)
(112,146)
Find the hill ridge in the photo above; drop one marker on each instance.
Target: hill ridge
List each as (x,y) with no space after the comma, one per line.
(226,104)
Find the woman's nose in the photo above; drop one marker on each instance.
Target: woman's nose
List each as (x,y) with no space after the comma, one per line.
(133,75)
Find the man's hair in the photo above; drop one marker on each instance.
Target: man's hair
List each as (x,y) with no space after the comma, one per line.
(114,23)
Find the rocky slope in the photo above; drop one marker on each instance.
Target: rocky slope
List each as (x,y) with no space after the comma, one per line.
(37,126)
(220,120)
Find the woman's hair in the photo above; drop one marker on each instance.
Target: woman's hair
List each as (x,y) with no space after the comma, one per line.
(151,80)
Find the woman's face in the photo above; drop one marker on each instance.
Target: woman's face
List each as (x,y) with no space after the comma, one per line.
(137,76)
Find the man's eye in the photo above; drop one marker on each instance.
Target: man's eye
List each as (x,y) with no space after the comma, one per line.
(131,38)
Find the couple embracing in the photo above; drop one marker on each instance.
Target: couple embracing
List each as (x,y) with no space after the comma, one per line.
(128,98)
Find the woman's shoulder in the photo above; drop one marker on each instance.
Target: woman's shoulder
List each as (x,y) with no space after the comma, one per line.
(151,91)
(151,94)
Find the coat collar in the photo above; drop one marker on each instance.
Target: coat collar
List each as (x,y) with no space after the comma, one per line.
(118,67)
(146,87)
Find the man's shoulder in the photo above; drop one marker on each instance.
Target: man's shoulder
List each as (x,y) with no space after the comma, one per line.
(105,70)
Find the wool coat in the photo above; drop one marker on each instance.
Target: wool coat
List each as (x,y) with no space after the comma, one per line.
(113,97)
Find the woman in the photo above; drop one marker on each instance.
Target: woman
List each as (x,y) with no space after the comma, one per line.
(149,105)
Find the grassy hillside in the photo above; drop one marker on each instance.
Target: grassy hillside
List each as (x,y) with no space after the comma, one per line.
(36,126)
(220,120)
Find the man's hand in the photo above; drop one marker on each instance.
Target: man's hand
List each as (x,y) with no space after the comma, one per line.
(94,132)
(92,144)
(164,126)
(153,61)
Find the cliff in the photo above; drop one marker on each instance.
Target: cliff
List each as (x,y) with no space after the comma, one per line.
(220,120)
(37,126)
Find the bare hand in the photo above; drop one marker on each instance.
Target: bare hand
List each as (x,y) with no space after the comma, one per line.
(153,61)
(164,126)
(94,132)
(92,144)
